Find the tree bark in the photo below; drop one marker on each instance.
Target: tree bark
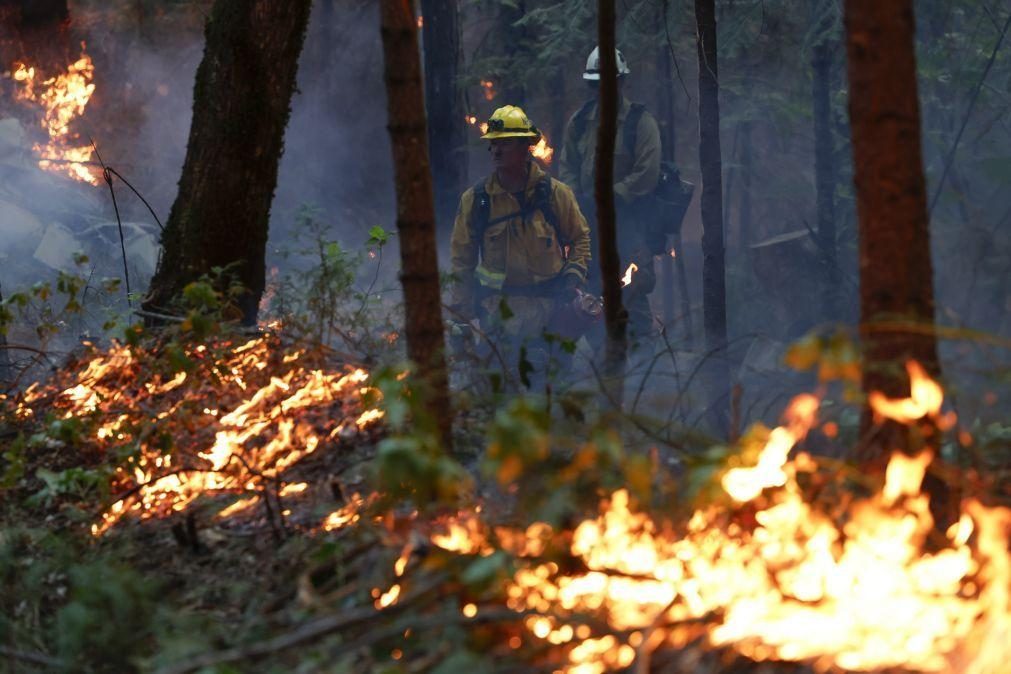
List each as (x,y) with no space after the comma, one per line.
(415,209)
(240,110)
(615,316)
(714,293)
(896,277)
(447,139)
(824,160)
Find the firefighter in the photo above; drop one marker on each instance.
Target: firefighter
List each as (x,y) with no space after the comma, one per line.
(520,246)
(636,173)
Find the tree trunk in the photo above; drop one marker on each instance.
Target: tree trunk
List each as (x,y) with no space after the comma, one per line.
(824,160)
(447,139)
(415,209)
(714,293)
(240,110)
(615,316)
(896,278)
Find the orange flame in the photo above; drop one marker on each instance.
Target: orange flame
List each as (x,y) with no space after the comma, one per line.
(489,89)
(62,99)
(861,595)
(271,409)
(543,151)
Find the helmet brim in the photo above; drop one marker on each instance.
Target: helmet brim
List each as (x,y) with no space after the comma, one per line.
(492,135)
(595,77)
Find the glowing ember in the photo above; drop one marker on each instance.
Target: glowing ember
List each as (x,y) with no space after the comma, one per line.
(489,89)
(795,584)
(62,99)
(472,120)
(543,151)
(349,514)
(627,278)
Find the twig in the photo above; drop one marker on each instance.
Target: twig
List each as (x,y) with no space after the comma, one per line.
(670,47)
(968,113)
(119,222)
(158,316)
(40,659)
(139,196)
(308,632)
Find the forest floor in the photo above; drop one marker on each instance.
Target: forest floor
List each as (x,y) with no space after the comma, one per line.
(274,510)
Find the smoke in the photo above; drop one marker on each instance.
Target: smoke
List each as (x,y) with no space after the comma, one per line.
(336,155)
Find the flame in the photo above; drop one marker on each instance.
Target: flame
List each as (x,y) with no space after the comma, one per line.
(62,99)
(627,278)
(543,151)
(271,409)
(489,89)
(350,513)
(857,591)
(924,400)
(421,21)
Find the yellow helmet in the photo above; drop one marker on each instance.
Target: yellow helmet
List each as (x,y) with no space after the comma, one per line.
(510,122)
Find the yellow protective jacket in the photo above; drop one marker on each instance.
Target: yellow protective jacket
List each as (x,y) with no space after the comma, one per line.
(517,251)
(636,170)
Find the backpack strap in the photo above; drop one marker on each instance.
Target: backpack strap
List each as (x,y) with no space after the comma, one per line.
(580,121)
(480,214)
(635,113)
(542,202)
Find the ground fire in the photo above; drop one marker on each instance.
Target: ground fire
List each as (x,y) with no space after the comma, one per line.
(237,419)
(59,100)
(771,570)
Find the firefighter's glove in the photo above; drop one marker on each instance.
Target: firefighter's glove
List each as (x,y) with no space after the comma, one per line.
(573,285)
(461,336)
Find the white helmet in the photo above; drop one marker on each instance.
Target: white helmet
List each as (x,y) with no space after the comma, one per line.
(592,71)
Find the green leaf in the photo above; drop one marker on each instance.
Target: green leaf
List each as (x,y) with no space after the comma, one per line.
(378,236)
(485,569)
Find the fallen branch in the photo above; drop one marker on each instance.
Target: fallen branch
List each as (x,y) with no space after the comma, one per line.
(308,632)
(40,659)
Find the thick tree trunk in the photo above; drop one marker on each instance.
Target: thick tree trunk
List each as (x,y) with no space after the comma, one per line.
(615,316)
(714,293)
(896,277)
(447,139)
(415,209)
(824,161)
(240,110)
